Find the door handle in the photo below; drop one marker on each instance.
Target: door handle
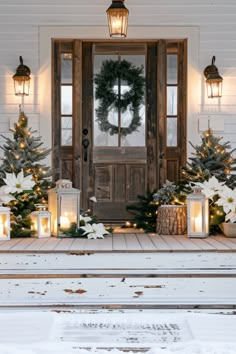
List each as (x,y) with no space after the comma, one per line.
(85,143)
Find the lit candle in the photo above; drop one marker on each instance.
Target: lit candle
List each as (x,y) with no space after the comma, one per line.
(65,222)
(2,230)
(44,230)
(198,223)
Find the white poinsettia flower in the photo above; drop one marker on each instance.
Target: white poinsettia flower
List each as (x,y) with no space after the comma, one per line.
(85,219)
(18,183)
(94,230)
(211,187)
(93,199)
(227,199)
(5,198)
(231,216)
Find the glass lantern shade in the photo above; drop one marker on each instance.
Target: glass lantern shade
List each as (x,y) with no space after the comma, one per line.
(198,214)
(21,86)
(41,222)
(64,205)
(4,223)
(214,88)
(117,15)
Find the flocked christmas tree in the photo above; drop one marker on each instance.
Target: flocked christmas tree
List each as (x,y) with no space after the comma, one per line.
(24,153)
(211,158)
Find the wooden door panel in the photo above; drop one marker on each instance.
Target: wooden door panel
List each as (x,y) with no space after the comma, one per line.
(119,183)
(172,169)
(136,182)
(66,169)
(116,186)
(103,182)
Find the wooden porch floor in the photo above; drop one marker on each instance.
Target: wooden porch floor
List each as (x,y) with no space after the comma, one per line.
(130,242)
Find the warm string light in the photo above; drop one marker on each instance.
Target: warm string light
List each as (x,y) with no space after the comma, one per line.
(22,145)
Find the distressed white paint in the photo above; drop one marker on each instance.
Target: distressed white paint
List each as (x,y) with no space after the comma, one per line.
(138,279)
(118,261)
(151,292)
(21,24)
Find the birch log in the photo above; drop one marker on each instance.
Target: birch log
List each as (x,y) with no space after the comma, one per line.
(172,220)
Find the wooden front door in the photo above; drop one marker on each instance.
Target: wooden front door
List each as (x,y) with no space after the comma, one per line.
(125,130)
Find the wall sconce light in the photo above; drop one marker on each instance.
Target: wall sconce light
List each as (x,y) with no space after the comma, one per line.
(22,79)
(213,80)
(117,15)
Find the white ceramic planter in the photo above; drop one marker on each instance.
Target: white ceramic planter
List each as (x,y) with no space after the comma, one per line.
(229,229)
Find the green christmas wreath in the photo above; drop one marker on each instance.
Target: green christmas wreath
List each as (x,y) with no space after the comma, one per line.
(112,71)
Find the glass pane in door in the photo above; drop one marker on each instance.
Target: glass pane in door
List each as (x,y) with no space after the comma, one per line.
(119,100)
(133,117)
(105,122)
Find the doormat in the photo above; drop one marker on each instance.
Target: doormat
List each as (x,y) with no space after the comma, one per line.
(122,332)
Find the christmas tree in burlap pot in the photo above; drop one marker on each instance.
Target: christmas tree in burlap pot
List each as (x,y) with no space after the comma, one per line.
(24,153)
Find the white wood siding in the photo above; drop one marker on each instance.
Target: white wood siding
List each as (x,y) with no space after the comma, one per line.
(20,23)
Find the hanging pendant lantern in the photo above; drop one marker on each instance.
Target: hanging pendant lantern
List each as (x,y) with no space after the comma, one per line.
(117,15)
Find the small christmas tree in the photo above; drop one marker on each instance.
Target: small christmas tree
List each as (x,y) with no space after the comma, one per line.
(145,212)
(211,158)
(23,153)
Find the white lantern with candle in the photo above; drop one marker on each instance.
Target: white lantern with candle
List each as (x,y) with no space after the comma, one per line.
(64,205)
(4,223)
(198,214)
(41,222)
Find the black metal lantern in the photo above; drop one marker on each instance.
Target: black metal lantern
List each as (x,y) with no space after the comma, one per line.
(22,79)
(117,15)
(213,80)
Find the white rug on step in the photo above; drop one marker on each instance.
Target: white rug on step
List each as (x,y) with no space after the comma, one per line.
(49,333)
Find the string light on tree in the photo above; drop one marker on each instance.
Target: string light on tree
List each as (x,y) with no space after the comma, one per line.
(25,152)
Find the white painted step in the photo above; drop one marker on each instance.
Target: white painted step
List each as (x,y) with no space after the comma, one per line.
(118,261)
(118,291)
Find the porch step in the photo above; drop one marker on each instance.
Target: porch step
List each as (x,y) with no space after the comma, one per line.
(137,280)
(113,273)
